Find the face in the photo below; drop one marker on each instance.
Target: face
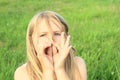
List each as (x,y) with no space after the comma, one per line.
(48,34)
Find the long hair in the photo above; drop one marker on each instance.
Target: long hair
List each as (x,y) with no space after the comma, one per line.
(34,68)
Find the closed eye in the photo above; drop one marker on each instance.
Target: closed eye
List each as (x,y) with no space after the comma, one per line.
(42,35)
(57,34)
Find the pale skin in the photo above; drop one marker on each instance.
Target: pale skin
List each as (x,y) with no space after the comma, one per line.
(52,46)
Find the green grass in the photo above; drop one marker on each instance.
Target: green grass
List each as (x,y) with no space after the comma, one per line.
(94,27)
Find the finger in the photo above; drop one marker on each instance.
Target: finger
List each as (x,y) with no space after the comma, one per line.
(57,46)
(42,45)
(54,50)
(46,41)
(50,59)
(69,48)
(48,51)
(41,56)
(68,51)
(67,43)
(62,39)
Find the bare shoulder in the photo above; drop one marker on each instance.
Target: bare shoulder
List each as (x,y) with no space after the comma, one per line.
(82,67)
(21,73)
(80,61)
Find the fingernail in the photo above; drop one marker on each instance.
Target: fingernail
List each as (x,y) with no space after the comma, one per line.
(68,36)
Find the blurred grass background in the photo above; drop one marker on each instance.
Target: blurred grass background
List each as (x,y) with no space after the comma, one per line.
(94,27)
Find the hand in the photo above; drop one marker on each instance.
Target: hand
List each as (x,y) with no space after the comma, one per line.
(63,51)
(45,59)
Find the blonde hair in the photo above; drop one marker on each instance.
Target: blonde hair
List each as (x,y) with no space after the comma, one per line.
(34,68)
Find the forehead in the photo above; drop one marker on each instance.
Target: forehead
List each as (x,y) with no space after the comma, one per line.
(45,25)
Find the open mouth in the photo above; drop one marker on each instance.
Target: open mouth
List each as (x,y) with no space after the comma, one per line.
(51,50)
(48,51)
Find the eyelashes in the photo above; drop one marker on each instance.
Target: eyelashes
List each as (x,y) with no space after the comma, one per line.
(42,35)
(55,34)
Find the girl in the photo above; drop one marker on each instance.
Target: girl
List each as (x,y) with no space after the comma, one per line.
(50,54)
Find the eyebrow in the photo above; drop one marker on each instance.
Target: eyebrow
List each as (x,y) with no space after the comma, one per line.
(57,31)
(44,32)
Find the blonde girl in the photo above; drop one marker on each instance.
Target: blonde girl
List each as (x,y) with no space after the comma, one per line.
(50,54)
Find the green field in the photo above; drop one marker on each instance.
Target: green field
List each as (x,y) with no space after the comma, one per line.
(94,27)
